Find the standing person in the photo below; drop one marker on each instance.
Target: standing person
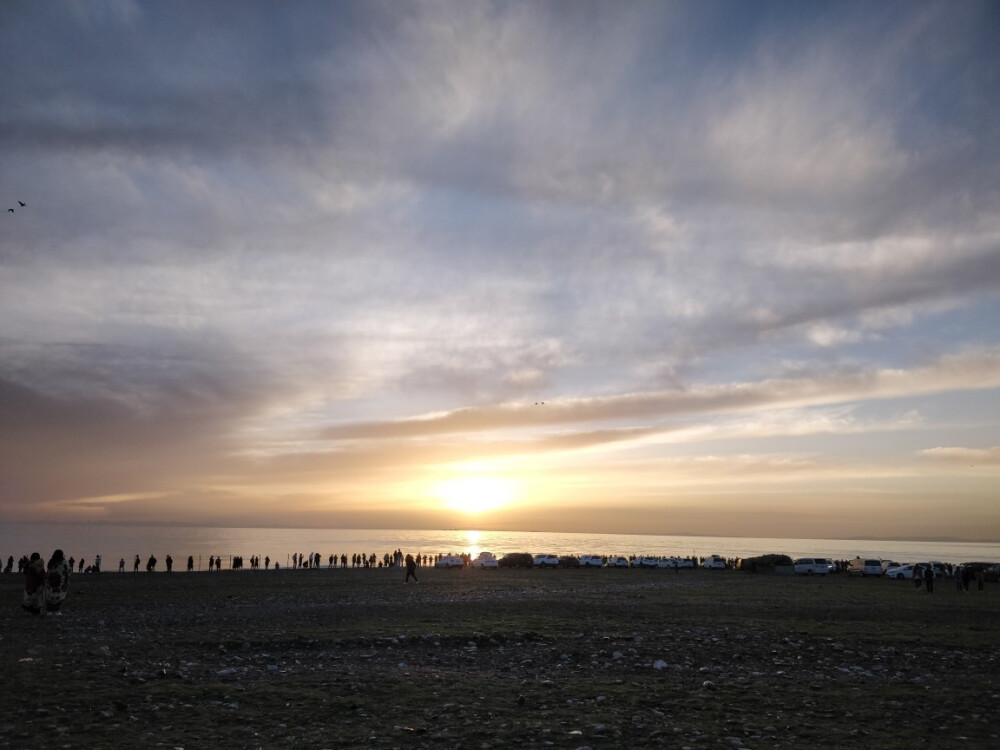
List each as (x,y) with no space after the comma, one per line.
(56,581)
(170,563)
(121,565)
(190,563)
(135,567)
(34,584)
(411,569)
(929,579)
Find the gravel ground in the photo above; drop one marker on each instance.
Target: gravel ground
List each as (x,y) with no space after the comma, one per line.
(481,659)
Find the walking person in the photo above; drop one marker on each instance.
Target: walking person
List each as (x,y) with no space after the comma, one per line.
(411,569)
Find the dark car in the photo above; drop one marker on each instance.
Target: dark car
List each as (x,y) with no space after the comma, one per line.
(517,560)
(992,573)
(569,561)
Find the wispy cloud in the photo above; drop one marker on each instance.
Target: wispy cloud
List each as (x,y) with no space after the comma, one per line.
(964,456)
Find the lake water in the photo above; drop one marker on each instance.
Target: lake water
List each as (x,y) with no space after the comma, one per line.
(116,542)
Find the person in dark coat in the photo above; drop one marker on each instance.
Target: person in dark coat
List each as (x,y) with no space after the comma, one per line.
(929,579)
(411,569)
(34,584)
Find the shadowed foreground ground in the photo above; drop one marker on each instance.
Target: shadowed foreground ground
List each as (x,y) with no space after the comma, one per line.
(478,659)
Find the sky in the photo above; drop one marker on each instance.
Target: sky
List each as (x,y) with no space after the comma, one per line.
(633,267)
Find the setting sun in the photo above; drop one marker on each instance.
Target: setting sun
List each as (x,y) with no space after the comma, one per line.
(476,494)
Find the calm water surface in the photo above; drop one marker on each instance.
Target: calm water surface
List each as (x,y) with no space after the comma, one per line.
(116,542)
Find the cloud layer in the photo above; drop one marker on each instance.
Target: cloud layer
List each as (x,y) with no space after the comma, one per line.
(295,264)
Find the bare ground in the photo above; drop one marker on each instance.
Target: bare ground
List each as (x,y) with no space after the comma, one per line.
(503,659)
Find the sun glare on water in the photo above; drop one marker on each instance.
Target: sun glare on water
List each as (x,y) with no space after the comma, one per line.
(476,494)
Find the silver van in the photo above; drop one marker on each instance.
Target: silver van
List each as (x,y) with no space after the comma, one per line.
(810,566)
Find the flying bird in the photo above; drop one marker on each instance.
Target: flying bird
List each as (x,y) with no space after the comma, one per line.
(10,210)
(23,204)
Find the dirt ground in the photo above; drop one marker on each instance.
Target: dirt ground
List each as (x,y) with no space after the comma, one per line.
(500,659)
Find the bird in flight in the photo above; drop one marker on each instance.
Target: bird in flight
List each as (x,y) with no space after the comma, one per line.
(10,210)
(23,204)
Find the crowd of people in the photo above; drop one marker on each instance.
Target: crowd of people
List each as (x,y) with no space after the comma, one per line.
(46,584)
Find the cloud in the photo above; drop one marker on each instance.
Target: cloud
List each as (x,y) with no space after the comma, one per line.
(964,456)
(972,370)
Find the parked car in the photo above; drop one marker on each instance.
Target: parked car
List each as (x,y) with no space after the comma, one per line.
(449,561)
(868,567)
(516,560)
(591,561)
(681,562)
(545,561)
(886,564)
(809,566)
(716,562)
(992,573)
(485,560)
(617,561)
(900,572)
(647,562)
(569,561)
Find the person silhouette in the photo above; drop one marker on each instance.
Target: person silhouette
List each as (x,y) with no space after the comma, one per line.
(56,581)
(34,584)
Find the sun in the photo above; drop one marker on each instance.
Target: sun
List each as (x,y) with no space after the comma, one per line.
(475,495)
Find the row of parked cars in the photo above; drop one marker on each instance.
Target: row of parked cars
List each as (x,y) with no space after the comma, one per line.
(872,567)
(524,560)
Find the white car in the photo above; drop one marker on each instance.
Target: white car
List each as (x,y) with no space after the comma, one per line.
(809,566)
(591,561)
(648,562)
(449,561)
(617,561)
(714,562)
(900,572)
(546,561)
(485,560)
